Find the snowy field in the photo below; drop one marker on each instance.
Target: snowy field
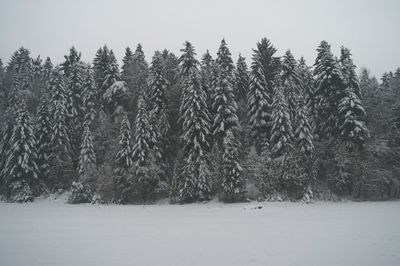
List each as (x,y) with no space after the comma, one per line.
(213,234)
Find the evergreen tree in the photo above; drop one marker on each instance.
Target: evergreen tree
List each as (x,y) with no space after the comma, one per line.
(195,123)
(329,90)
(126,63)
(59,132)
(224,103)
(47,70)
(20,172)
(352,115)
(100,64)
(43,137)
(73,70)
(124,156)
(291,84)
(157,85)
(143,136)
(232,180)
(87,157)
(111,72)
(89,97)
(242,79)
(307,90)
(281,131)
(303,133)
(264,69)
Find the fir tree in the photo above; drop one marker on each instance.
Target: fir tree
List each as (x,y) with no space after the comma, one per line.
(232,182)
(111,72)
(303,132)
(143,136)
(100,65)
(124,156)
(195,123)
(281,131)
(224,103)
(87,157)
(43,137)
(352,115)
(329,90)
(21,171)
(307,90)
(242,79)
(291,83)
(89,97)
(127,63)
(157,85)
(59,132)
(264,69)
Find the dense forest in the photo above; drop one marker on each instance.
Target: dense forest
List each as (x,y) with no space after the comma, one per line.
(193,129)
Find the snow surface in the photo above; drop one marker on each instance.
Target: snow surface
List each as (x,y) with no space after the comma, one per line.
(323,233)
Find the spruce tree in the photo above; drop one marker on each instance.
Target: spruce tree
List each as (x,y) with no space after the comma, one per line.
(264,69)
(194,181)
(352,115)
(242,79)
(143,136)
(224,103)
(124,156)
(127,63)
(328,90)
(232,182)
(157,85)
(87,157)
(21,172)
(59,132)
(89,97)
(43,137)
(281,131)
(307,90)
(303,132)
(100,65)
(291,84)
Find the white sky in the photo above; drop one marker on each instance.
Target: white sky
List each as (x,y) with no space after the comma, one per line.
(49,27)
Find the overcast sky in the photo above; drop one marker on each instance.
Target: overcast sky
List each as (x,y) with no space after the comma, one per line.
(371,29)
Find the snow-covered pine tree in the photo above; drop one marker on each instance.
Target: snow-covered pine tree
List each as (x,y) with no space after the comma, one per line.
(89,97)
(100,65)
(303,133)
(141,148)
(59,131)
(352,115)
(281,131)
(264,69)
(291,84)
(113,88)
(124,156)
(111,72)
(223,101)
(73,70)
(139,72)
(47,70)
(206,72)
(126,63)
(21,172)
(328,90)
(87,157)
(307,90)
(232,183)
(242,79)
(43,137)
(81,191)
(157,85)
(195,122)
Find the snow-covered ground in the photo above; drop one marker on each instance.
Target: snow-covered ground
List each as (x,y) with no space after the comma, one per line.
(51,233)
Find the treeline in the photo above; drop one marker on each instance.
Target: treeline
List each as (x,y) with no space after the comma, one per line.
(193,130)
